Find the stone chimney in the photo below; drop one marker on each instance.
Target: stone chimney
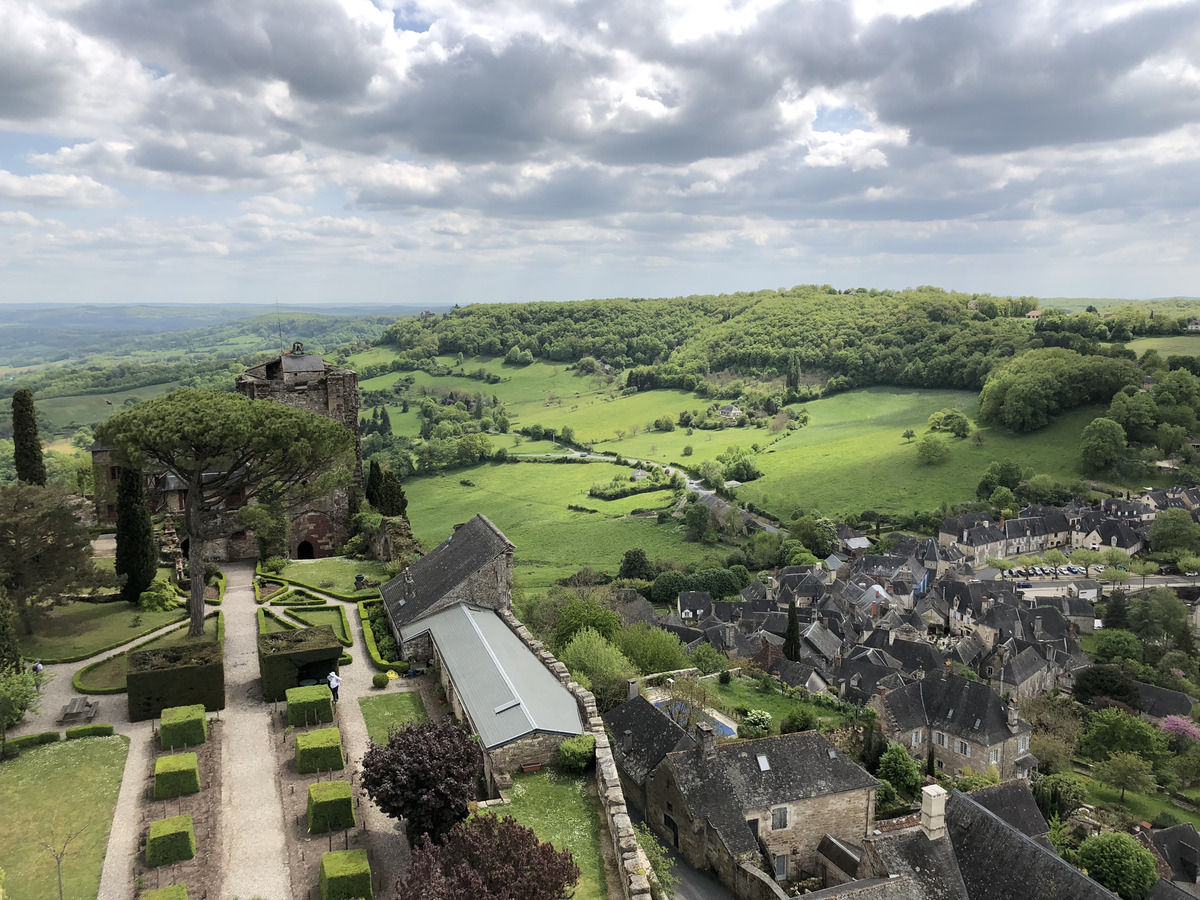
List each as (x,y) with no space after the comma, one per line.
(708,741)
(628,743)
(730,634)
(1011,708)
(633,688)
(933,811)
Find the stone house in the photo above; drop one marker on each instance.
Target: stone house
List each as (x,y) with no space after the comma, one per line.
(964,722)
(641,736)
(449,609)
(725,806)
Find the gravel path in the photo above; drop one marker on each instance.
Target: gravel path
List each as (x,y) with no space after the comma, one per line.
(255,863)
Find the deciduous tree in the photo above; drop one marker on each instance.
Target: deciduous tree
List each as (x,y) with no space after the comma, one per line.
(1174,531)
(44,551)
(900,770)
(1120,863)
(426,774)
(605,667)
(486,858)
(932,451)
(636,565)
(225,447)
(18,695)
(1102,444)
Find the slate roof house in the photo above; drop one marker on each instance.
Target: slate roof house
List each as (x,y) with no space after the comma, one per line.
(642,736)
(964,722)
(447,608)
(723,806)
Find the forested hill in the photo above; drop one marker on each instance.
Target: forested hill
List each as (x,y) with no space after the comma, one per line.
(924,337)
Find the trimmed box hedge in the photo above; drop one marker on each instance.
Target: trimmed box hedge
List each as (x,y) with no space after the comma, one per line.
(345,875)
(170,840)
(32,740)
(285,658)
(183,726)
(364,618)
(82,731)
(319,751)
(330,807)
(175,776)
(309,705)
(183,675)
(173,892)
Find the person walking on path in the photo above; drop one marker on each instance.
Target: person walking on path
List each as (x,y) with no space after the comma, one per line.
(37,675)
(334,683)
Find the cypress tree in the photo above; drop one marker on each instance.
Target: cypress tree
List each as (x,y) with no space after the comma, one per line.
(10,647)
(791,639)
(27,446)
(373,482)
(392,501)
(137,555)
(1116,611)
(385,422)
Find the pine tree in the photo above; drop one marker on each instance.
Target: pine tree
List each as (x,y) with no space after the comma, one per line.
(392,501)
(137,555)
(10,647)
(373,482)
(791,640)
(385,422)
(1116,611)
(27,446)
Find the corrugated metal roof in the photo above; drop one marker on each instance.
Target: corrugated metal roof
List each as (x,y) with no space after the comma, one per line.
(506,690)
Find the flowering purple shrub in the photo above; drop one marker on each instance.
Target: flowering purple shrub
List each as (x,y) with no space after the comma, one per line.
(1178,727)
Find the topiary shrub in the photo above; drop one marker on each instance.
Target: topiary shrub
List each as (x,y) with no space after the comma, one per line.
(724,677)
(345,875)
(174,892)
(170,840)
(183,726)
(576,754)
(319,751)
(330,807)
(82,731)
(159,596)
(175,776)
(309,705)
(380,680)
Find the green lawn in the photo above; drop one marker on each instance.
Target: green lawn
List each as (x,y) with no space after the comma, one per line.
(37,809)
(91,409)
(110,674)
(83,629)
(743,692)
(528,502)
(390,707)
(1143,806)
(329,615)
(561,811)
(1171,345)
(336,573)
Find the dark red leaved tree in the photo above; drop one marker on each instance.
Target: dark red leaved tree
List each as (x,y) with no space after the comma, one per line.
(486,858)
(426,774)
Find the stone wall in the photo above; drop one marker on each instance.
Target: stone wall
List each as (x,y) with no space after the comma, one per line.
(635,871)
(752,883)
(848,816)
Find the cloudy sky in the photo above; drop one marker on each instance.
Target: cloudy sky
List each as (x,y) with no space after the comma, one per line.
(470,150)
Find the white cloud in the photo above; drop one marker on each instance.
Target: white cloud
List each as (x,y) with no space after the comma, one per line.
(56,190)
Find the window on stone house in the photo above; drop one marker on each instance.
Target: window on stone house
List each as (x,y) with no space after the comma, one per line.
(994,756)
(941,739)
(779,818)
(114,473)
(916,738)
(964,749)
(1023,743)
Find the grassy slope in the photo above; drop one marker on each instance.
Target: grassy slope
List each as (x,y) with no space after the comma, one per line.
(111,673)
(36,808)
(560,811)
(382,711)
(1177,345)
(90,409)
(528,502)
(85,628)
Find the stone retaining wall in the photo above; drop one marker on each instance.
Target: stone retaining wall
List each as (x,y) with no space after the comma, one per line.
(635,871)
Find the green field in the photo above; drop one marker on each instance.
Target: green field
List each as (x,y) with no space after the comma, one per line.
(561,812)
(391,708)
(77,630)
(1172,345)
(528,502)
(91,409)
(109,675)
(38,810)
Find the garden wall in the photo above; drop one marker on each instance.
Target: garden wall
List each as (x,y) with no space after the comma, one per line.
(634,867)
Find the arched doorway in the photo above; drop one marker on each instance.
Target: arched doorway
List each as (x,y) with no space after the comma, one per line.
(305,550)
(185,547)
